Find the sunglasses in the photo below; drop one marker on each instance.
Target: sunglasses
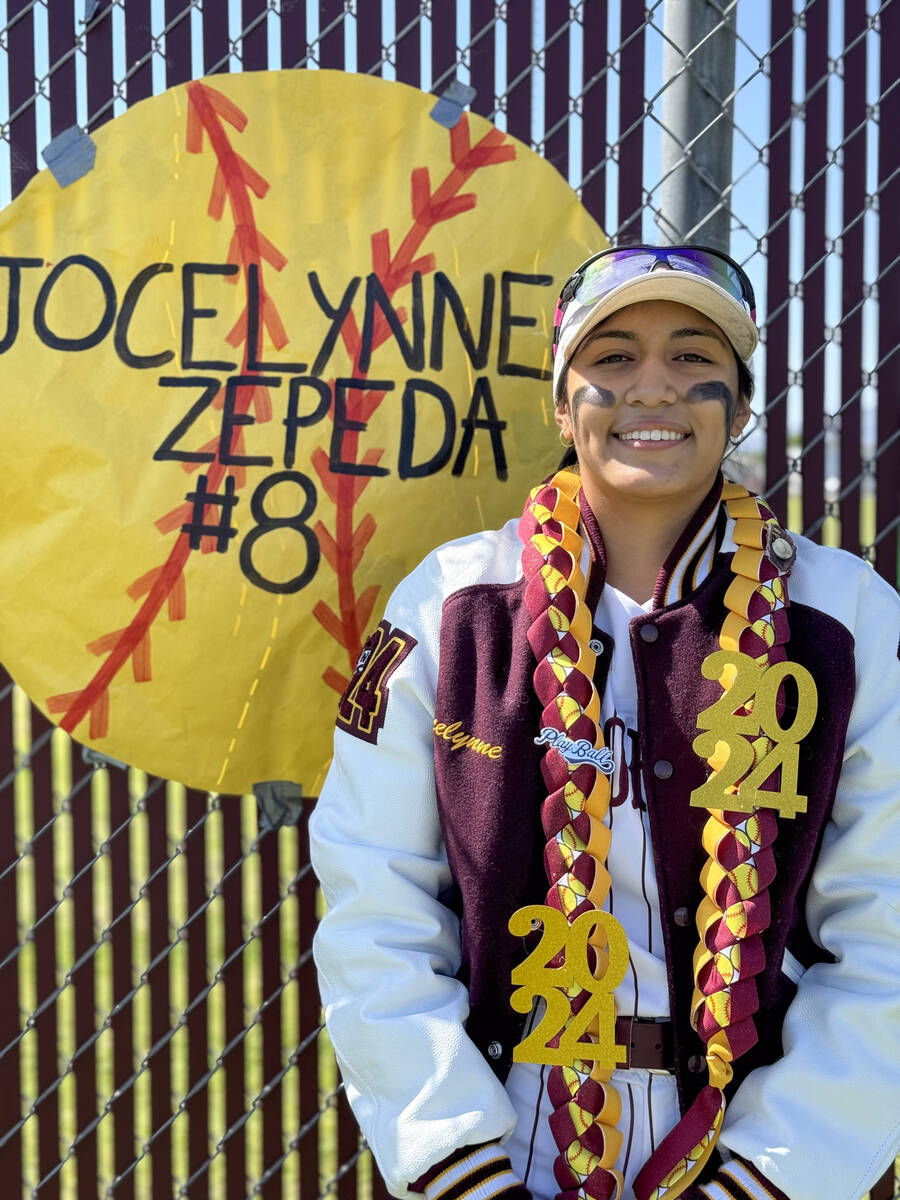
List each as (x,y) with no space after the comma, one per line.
(601,273)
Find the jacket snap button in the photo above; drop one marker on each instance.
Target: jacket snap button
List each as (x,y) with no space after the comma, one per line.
(681,916)
(495,1050)
(663,769)
(596,645)
(649,633)
(695,1064)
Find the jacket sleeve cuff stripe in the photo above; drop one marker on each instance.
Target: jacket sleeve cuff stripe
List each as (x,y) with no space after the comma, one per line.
(481,1175)
(740,1180)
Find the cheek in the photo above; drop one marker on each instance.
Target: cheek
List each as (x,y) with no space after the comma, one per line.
(589,394)
(715,389)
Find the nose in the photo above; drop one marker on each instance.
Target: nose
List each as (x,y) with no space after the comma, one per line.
(650,384)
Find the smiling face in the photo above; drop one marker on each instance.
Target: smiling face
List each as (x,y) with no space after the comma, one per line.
(652,397)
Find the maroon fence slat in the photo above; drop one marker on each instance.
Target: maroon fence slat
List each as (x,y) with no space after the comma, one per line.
(631,125)
(270,947)
(556,85)
(22,138)
(216,44)
(887,558)
(99,55)
(816,125)
(233,983)
(61,21)
(778,254)
(197,1027)
(406,53)
(331,34)
(518,69)
(158,979)
(854,199)
(368,39)
(482,42)
(178,42)
(293,35)
(254,52)
(83,982)
(347,1148)
(138,49)
(443,45)
(593,109)
(884,1188)
(307,1077)
(46,1025)
(11,1148)
(121,945)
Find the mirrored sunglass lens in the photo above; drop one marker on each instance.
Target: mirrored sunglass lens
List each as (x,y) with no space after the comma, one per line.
(701,263)
(608,272)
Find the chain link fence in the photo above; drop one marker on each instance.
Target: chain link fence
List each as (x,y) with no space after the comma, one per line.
(159,1021)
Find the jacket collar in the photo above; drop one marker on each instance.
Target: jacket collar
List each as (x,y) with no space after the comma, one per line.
(690,559)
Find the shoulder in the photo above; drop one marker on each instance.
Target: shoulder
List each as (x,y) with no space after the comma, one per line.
(490,557)
(842,586)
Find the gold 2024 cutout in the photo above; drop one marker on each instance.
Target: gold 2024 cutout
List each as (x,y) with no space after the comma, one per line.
(728,739)
(556,986)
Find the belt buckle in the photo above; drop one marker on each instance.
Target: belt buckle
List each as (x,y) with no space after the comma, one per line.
(636,1036)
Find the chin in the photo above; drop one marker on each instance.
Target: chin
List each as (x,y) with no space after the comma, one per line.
(653,482)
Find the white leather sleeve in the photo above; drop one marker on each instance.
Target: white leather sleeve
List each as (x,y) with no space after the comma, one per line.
(387,949)
(823,1122)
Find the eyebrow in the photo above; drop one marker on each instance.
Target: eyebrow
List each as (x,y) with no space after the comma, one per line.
(596,334)
(691,332)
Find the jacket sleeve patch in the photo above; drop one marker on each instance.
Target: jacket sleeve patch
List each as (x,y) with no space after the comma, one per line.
(363,706)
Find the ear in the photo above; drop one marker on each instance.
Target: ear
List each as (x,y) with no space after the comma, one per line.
(741,417)
(563,419)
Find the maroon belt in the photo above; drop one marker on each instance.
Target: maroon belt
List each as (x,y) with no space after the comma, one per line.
(648,1043)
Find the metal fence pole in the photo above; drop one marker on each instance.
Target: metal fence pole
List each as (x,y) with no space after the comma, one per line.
(698,57)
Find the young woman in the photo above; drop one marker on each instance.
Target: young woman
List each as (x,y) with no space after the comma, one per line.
(639,742)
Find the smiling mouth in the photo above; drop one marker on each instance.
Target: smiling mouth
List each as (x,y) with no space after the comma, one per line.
(657,436)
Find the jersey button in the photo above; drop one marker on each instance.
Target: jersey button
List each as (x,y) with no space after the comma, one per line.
(663,769)
(649,633)
(695,1064)
(681,916)
(495,1050)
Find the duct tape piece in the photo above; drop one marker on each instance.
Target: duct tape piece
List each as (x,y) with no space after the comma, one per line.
(451,103)
(70,155)
(95,759)
(280,802)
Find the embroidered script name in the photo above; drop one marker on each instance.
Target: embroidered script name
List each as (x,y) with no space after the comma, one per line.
(460,740)
(577,752)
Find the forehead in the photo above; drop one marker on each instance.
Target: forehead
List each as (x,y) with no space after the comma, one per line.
(664,317)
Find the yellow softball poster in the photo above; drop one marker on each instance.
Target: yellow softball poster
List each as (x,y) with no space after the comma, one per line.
(286,336)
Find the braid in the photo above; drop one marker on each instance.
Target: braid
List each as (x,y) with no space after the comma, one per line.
(586,1106)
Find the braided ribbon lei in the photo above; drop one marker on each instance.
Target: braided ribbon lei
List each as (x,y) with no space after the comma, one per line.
(734,911)
(586,1106)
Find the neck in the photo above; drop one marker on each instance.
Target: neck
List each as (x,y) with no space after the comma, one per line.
(638,538)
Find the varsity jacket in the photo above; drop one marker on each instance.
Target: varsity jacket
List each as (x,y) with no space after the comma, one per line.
(427,837)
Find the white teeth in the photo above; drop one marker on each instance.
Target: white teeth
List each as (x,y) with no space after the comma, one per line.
(652,435)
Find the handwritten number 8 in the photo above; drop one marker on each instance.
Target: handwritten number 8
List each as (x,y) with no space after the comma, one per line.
(265,523)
